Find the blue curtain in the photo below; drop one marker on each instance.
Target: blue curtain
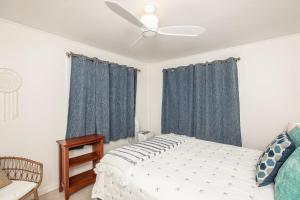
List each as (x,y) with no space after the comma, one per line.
(202,101)
(122,101)
(102,99)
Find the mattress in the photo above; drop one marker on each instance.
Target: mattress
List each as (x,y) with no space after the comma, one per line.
(179,167)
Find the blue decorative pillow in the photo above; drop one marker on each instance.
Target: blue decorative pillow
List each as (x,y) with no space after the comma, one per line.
(272,158)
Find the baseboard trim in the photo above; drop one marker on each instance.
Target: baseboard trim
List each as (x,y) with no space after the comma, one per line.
(48,188)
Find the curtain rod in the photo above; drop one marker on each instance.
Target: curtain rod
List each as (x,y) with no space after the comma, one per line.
(236,59)
(68,54)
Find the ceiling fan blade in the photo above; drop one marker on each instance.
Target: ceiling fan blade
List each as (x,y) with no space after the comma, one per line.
(188,31)
(121,11)
(136,41)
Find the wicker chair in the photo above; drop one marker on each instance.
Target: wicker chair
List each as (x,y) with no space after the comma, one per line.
(22,169)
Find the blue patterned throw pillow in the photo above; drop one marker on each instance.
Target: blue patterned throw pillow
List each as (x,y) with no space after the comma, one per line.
(272,158)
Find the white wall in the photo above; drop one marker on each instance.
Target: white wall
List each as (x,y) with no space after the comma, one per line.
(269,74)
(40,59)
(268,77)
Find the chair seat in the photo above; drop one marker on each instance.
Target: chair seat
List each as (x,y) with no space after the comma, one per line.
(16,190)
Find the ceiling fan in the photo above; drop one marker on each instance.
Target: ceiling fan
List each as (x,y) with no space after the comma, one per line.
(149,22)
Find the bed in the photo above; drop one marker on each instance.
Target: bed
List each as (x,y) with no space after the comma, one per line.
(179,167)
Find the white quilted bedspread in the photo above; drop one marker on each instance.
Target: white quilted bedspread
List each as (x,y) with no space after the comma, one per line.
(193,170)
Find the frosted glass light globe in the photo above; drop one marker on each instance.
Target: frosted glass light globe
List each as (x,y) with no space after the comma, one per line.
(150,21)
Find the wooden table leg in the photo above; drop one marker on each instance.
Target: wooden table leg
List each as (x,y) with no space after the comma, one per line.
(65,155)
(98,148)
(60,169)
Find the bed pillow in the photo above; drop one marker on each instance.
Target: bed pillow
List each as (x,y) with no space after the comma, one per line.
(272,159)
(295,135)
(4,181)
(291,125)
(288,178)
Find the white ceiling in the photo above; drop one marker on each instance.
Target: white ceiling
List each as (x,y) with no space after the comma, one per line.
(228,23)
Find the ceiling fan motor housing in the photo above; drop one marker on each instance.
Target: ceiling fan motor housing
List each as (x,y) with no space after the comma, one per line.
(149,33)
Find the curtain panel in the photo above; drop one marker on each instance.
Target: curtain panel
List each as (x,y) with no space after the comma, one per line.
(102,99)
(202,101)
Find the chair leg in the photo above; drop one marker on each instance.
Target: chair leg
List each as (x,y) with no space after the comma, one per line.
(36,195)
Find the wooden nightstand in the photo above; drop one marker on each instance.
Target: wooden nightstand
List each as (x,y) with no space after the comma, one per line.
(75,183)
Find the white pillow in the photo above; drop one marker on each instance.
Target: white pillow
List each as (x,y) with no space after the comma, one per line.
(291,125)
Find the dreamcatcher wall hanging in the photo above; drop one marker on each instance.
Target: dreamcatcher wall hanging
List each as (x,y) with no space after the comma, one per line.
(10,83)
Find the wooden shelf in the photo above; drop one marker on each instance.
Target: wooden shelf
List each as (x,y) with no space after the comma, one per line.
(72,184)
(83,159)
(80,141)
(81,180)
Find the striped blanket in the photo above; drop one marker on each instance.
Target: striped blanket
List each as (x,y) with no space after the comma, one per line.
(145,150)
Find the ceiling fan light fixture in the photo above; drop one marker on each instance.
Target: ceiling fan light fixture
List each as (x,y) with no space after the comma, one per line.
(150,22)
